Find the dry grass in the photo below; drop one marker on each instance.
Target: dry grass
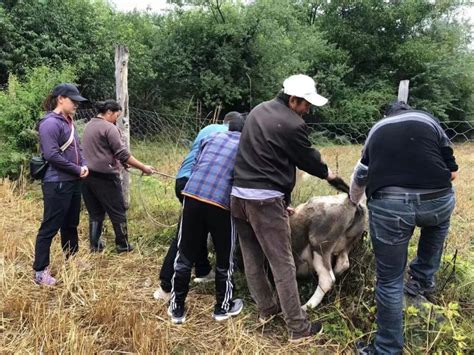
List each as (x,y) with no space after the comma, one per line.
(104,304)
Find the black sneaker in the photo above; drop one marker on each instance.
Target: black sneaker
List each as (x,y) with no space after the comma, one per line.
(363,348)
(177,314)
(236,307)
(315,329)
(414,288)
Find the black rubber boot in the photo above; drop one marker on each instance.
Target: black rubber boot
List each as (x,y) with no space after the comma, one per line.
(121,237)
(95,231)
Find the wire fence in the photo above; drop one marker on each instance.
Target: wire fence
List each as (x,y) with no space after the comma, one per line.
(181,130)
(163,142)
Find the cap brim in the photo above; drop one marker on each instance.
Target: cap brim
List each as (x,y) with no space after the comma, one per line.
(77,98)
(316,100)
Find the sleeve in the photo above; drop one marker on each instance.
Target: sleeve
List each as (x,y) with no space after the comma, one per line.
(304,156)
(116,145)
(82,160)
(49,133)
(446,150)
(448,157)
(359,181)
(202,144)
(360,176)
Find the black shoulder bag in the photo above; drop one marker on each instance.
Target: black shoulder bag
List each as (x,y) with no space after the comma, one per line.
(39,165)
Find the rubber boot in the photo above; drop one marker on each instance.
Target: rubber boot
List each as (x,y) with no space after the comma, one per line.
(121,237)
(95,231)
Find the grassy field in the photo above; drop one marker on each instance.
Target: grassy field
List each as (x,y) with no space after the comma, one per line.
(103,303)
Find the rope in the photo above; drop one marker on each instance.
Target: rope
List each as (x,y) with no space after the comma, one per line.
(140,196)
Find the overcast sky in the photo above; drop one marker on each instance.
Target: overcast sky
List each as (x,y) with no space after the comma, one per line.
(160,5)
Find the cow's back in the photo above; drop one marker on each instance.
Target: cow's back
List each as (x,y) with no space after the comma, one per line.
(323,220)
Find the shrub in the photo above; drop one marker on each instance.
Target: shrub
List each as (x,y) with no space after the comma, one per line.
(20,110)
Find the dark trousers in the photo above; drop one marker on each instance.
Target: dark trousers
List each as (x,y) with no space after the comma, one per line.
(62,204)
(264,233)
(202,265)
(103,194)
(199,218)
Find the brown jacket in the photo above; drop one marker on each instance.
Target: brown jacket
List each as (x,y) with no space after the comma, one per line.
(103,146)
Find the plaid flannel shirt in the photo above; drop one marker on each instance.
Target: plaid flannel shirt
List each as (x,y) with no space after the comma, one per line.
(213,173)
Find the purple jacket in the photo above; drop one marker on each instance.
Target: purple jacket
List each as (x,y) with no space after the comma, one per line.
(54,131)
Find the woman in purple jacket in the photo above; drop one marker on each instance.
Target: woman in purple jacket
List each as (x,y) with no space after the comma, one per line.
(59,143)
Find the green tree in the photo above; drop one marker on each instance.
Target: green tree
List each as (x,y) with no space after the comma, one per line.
(21,110)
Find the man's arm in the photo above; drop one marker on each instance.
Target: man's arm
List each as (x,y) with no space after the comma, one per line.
(359,181)
(305,157)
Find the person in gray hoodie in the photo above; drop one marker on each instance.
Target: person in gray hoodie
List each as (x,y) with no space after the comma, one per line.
(60,146)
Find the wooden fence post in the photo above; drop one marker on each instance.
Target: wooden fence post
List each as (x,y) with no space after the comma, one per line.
(121,92)
(403,88)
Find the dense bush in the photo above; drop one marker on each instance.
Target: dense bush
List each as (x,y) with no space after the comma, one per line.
(20,110)
(192,60)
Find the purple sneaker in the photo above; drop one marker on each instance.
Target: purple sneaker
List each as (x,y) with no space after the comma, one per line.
(44,278)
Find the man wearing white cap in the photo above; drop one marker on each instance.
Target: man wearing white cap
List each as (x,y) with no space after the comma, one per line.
(273,143)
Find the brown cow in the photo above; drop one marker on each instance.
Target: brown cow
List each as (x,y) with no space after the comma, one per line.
(323,229)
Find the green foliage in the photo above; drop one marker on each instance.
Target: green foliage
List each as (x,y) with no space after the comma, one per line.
(225,54)
(59,32)
(20,110)
(213,53)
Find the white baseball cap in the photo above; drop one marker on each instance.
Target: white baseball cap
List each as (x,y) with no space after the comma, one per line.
(303,86)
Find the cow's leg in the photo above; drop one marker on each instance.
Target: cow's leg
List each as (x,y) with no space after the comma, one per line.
(322,265)
(342,263)
(304,262)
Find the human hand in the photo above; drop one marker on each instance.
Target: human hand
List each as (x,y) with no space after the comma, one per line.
(148,170)
(331,175)
(84,172)
(454,175)
(291,211)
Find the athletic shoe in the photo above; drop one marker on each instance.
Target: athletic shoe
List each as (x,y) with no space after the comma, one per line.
(44,278)
(177,315)
(315,329)
(236,307)
(161,295)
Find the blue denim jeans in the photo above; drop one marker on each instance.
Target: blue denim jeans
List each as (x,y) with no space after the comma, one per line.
(391,226)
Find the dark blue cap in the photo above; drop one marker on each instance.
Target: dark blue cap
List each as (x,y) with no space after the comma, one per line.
(68,90)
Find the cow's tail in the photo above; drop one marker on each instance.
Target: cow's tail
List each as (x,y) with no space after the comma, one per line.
(339,184)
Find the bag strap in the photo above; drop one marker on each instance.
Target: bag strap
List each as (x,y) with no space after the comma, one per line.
(69,141)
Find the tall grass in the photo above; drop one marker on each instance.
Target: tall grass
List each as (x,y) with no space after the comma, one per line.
(104,304)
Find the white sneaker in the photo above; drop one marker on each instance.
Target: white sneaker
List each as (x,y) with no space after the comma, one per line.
(161,295)
(208,278)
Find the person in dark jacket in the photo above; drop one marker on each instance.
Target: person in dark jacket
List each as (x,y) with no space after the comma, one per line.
(60,146)
(102,190)
(406,170)
(274,142)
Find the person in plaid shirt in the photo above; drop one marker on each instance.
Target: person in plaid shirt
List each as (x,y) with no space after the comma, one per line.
(206,208)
